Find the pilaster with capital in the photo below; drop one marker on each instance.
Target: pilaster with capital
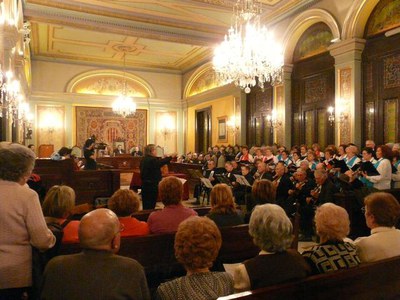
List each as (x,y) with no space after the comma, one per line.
(348,94)
(283,104)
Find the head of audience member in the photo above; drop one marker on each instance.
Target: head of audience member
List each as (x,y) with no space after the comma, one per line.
(381,210)
(263,191)
(124,203)
(100,230)
(221,198)
(32,147)
(229,166)
(320,176)
(367,153)
(59,201)
(280,169)
(370,144)
(351,151)
(16,163)
(170,190)
(383,151)
(150,150)
(332,223)
(65,152)
(270,228)
(211,164)
(197,243)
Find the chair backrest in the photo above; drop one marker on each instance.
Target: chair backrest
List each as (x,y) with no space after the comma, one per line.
(45,150)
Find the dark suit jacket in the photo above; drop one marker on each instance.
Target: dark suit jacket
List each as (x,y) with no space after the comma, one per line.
(328,189)
(285,184)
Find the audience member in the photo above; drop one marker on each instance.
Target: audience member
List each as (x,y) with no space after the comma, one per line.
(271,230)
(396,167)
(168,219)
(96,272)
(57,206)
(197,243)
(382,213)
(223,211)
(333,253)
(22,224)
(124,203)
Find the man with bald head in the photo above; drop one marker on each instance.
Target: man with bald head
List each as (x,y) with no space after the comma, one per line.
(96,272)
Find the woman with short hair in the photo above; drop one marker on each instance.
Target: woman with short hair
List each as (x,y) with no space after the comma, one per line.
(197,243)
(223,209)
(57,207)
(124,203)
(271,230)
(382,214)
(22,223)
(168,219)
(333,253)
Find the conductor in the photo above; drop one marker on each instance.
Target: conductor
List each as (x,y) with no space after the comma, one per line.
(150,173)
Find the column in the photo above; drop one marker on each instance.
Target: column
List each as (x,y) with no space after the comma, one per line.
(283,105)
(348,93)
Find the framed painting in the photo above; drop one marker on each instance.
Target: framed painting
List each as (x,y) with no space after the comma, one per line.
(222,130)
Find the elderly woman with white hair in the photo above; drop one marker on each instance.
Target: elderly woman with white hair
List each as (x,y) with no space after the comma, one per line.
(333,253)
(271,230)
(22,224)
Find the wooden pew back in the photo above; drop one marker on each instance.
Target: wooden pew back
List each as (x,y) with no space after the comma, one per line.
(379,280)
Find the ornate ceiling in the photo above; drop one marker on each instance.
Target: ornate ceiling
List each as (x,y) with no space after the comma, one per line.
(161,35)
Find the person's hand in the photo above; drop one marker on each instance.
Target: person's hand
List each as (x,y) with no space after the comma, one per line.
(309,199)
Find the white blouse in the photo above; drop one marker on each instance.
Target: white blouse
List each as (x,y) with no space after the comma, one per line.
(382,181)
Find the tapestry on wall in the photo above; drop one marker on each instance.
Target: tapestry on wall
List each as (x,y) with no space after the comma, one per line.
(110,128)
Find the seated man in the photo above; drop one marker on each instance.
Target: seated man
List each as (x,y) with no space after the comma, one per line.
(119,150)
(96,272)
(382,213)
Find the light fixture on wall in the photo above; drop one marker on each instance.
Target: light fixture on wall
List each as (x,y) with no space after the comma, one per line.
(331,117)
(233,126)
(249,53)
(10,96)
(124,105)
(273,121)
(166,126)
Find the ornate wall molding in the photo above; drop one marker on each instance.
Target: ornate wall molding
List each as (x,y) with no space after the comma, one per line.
(301,23)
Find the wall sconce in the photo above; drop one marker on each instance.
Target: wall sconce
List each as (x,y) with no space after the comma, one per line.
(166,126)
(233,126)
(331,117)
(272,120)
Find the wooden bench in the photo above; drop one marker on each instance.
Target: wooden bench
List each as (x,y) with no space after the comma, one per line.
(378,280)
(143,215)
(156,253)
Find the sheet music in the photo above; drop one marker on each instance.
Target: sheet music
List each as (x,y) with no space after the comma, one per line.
(207,183)
(242,180)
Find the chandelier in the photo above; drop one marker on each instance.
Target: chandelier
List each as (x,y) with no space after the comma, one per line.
(10,97)
(124,105)
(249,55)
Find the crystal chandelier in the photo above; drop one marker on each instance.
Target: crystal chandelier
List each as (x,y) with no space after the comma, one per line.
(249,55)
(124,105)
